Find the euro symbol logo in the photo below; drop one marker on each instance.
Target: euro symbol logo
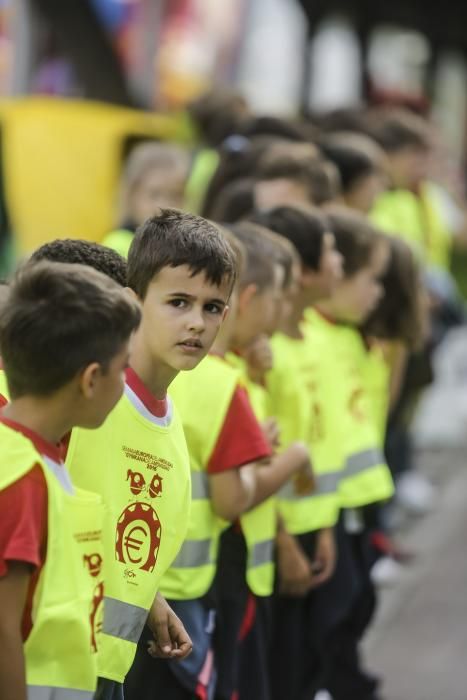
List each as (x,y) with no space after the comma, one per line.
(133,543)
(138,536)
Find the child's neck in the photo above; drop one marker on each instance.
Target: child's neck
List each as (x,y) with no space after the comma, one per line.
(41,415)
(156,376)
(328,309)
(290,326)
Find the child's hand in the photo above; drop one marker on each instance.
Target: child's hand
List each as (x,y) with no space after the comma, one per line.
(259,358)
(304,480)
(171,640)
(325,557)
(294,568)
(271,432)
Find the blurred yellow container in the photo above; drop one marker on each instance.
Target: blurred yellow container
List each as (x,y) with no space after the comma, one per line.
(62,160)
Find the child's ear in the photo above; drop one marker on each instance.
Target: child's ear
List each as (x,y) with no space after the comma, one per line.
(88,379)
(131,292)
(246,295)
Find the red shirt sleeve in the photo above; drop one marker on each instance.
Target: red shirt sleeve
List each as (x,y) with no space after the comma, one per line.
(3,401)
(23,521)
(241,440)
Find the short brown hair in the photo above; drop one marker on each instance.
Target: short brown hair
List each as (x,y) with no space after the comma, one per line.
(71,250)
(261,254)
(396,129)
(57,319)
(301,163)
(356,156)
(356,238)
(400,313)
(174,238)
(303,226)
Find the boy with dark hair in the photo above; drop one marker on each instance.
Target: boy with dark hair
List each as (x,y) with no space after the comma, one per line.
(361,164)
(295,175)
(182,270)
(97,256)
(305,542)
(64,334)
(410,209)
(245,577)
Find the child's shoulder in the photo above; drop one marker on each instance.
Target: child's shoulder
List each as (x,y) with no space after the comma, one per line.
(17,453)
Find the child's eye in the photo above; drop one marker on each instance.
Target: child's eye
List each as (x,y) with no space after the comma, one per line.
(213,308)
(178,303)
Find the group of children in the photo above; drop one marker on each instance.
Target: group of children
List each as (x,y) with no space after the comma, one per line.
(192,440)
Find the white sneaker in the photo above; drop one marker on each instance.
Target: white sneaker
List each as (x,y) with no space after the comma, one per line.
(386,572)
(415,493)
(322,695)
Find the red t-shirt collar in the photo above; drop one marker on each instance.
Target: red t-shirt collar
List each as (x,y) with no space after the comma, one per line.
(158,407)
(44,447)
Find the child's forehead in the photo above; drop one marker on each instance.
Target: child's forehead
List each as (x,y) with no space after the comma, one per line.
(184,279)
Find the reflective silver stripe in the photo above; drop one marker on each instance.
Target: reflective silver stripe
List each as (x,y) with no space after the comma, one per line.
(361,461)
(193,553)
(262,553)
(325,484)
(41,692)
(123,620)
(199,486)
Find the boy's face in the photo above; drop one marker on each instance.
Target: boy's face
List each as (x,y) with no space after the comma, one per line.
(157,188)
(107,388)
(366,190)
(357,296)
(324,281)
(182,315)
(257,312)
(409,166)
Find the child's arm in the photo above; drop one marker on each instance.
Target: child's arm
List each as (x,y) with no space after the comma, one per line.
(13,591)
(324,561)
(232,492)
(269,478)
(295,570)
(171,640)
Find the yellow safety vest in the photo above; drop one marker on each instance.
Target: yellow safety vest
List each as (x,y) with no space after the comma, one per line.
(417,220)
(60,650)
(203,397)
(259,525)
(141,470)
(298,393)
(367,478)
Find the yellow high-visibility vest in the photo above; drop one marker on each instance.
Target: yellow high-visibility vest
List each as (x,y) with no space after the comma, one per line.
(417,220)
(366,478)
(259,525)
(298,393)
(141,469)
(203,397)
(60,650)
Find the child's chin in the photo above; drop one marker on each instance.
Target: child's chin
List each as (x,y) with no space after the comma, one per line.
(188,363)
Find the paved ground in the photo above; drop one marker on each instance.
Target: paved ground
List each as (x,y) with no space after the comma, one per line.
(419,639)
